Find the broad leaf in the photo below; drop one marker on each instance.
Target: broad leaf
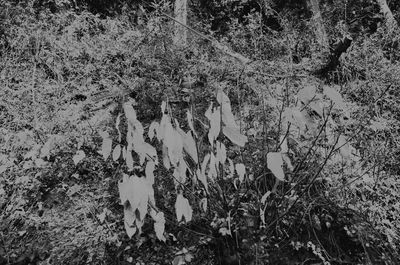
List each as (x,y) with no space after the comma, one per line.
(241,171)
(117,152)
(334,95)
(234,135)
(106,147)
(307,93)
(159,226)
(275,163)
(78,157)
(183,209)
(153,129)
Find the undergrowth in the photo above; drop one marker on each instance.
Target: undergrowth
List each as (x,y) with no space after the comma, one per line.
(118,147)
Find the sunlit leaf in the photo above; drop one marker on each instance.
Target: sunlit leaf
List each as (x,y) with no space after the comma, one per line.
(78,157)
(159,226)
(215,125)
(106,147)
(203,204)
(190,122)
(332,93)
(117,122)
(213,167)
(221,153)
(241,171)
(183,209)
(153,129)
(149,171)
(265,196)
(129,160)
(307,93)
(275,163)
(235,136)
(117,152)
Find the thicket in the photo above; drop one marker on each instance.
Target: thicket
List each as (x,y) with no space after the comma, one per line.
(118,147)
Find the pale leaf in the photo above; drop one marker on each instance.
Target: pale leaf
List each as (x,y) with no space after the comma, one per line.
(334,95)
(265,196)
(205,163)
(284,145)
(227,116)
(231,168)
(149,171)
(159,226)
(286,158)
(129,160)
(78,157)
(234,135)
(129,218)
(174,143)
(275,163)
(213,170)
(179,260)
(183,209)
(221,153)
(117,152)
(117,122)
(189,145)
(203,179)
(153,129)
(166,162)
(241,171)
(307,93)
(215,125)
(106,147)
(203,204)
(190,122)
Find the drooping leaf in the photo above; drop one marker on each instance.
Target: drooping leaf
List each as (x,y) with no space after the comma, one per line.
(117,122)
(189,145)
(117,152)
(234,135)
(265,196)
(183,209)
(284,145)
(203,204)
(231,168)
(190,122)
(203,179)
(159,226)
(307,93)
(129,221)
(221,153)
(106,147)
(153,129)
(286,158)
(166,162)
(78,157)
(275,163)
(332,93)
(174,144)
(241,171)
(136,191)
(215,125)
(213,167)
(149,171)
(129,160)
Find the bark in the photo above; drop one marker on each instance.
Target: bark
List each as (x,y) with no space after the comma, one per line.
(319,27)
(180,34)
(389,18)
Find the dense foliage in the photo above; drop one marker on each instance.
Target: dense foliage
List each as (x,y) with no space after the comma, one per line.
(118,147)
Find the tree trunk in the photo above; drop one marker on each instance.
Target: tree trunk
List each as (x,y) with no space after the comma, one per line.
(389,18)
(180,34)
(319,28)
